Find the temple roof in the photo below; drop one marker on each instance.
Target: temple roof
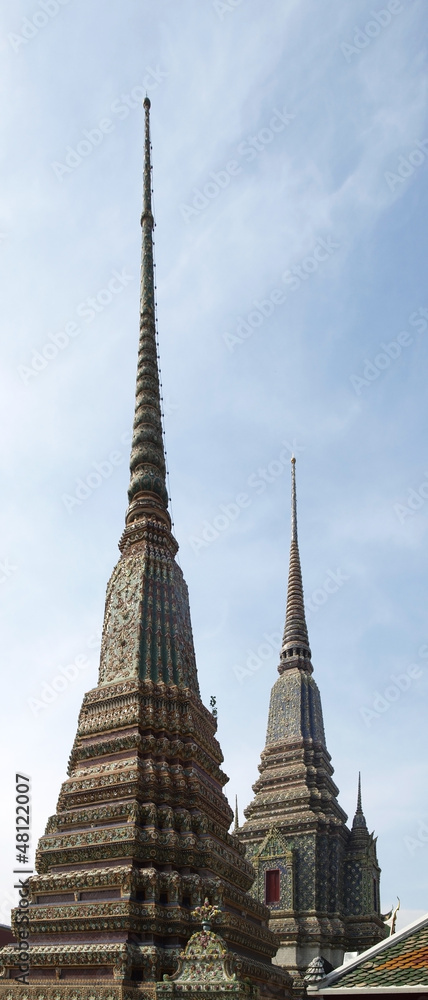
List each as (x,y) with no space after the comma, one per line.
(400,963)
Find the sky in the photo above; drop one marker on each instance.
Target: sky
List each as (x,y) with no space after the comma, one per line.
(290,162)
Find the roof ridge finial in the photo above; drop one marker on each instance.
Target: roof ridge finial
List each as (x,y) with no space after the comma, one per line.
(147,492)
(295,651)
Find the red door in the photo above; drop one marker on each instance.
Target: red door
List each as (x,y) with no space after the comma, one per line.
(272,886)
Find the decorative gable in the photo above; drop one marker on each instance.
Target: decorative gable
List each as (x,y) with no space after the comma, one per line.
(274,854)
(273,846)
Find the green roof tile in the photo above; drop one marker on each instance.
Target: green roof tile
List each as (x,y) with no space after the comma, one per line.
(401,961)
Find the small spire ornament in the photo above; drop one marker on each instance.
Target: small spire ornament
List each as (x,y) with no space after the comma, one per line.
(207,914)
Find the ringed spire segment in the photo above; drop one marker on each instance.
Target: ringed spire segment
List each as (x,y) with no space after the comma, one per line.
(147,493)
(295,650)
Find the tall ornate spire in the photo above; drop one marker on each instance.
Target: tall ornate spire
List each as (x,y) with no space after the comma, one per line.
(147,492)
(141,837)
(320,880)
(295,649)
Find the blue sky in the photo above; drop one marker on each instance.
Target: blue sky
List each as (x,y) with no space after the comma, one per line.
(290,154)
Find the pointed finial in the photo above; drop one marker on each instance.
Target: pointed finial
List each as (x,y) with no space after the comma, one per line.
(359,806)
(293,500)
(359,822)
(236,827)
(147,184)
(295,651)
(147,492)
